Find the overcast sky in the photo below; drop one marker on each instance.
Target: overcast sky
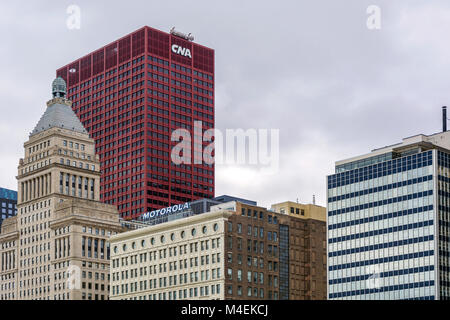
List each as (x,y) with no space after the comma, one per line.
(311,69)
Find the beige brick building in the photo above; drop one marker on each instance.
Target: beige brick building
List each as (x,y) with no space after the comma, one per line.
(181,259)
(236,250)
(56,247)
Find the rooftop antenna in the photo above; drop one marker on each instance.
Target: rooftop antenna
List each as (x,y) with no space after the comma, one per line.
(444,118)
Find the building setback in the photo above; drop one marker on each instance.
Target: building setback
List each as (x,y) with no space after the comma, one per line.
(131,95)
(235,251)
(56,247)
(8,204)
(388,222)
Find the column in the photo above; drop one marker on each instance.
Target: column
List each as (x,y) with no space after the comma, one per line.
(21,192)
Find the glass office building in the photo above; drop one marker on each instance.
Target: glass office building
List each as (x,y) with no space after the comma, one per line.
(8,204)
(388,222)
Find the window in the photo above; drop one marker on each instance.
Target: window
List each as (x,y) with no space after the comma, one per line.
(230,273)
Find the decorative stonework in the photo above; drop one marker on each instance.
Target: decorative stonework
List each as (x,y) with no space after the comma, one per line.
(60,101)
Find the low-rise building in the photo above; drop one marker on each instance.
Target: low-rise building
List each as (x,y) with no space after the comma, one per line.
(236,250)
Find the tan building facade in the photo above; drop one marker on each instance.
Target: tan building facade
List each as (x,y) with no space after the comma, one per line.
(235,251)
(181,259)
(58,214)
(307,249)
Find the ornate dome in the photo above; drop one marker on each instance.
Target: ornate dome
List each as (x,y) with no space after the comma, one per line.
(59,88)
(59,112)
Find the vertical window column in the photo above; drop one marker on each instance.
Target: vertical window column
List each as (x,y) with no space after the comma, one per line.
(80,186)
(92,188)
(102,249)
(86,191)
(83,246)
(89,247)
(74,187)
(64,246)
(96,248)
(67,183)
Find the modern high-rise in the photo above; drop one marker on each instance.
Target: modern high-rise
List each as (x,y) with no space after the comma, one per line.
(388,222)
(130,95)
(8,204)
(235,250)
(56,247)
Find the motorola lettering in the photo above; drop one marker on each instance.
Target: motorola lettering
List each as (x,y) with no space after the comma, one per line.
(165,211)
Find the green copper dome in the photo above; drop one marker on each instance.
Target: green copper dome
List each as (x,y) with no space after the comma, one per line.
(59,88)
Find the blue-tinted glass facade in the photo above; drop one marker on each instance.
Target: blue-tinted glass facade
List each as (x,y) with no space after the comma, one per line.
(444,223)
(8,204)
(382,230)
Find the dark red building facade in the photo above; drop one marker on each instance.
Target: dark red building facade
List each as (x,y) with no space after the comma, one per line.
(131,95)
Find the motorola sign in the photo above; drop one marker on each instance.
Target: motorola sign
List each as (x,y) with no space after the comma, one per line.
(181,51)
(165,211)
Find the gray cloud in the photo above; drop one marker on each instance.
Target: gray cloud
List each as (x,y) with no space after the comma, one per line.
(310,68)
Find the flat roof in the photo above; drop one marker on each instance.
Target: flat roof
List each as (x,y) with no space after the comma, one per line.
(8,194)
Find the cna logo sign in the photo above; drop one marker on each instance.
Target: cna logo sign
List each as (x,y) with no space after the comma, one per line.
(181,51)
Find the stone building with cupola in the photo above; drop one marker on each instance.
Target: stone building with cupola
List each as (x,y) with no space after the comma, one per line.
(56,248)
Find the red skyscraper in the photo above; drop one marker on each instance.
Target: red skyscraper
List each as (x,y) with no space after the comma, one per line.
(130,95)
